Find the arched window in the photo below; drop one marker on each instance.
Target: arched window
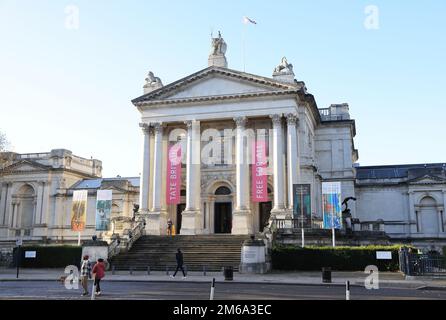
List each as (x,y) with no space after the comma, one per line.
(223,191)
(428,217)
(26,196)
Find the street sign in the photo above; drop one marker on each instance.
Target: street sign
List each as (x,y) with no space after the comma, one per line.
(19,242)
(30,254)
(384,255)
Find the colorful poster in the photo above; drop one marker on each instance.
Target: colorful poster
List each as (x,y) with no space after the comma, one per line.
(79,210)
(259,176)
(302,204)
(331,201)
(173,185)
(103,209)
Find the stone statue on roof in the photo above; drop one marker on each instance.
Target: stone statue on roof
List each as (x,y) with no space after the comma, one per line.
(284,67)
(217,56)
(218,45)
(152,83)
(151,79)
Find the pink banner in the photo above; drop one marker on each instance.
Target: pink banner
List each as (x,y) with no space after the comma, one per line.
(173,184)
(259,187)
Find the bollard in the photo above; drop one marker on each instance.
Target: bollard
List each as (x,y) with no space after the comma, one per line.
(167,270)
(93,290)
(131,270)
(148,270)
(347,290)
(113,269)
(212,289)
(204,270)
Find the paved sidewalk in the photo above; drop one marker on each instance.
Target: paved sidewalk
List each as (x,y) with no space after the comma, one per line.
(387,279)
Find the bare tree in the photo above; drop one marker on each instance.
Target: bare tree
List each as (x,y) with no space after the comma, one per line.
(4,144)
(5,157)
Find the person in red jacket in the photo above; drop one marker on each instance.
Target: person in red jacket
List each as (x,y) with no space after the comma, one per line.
(98,273)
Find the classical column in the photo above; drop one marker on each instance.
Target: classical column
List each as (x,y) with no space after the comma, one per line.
(157,218)
(38,205)
(242,217)
(412,218)
(443,216)
(292,157)
(191,222)
(278,169)
(4,187)
(15,209)
(45,198)
(145,174)
(440,211)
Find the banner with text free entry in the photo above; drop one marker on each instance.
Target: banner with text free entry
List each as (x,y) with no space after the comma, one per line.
(79,210)
(302,204)
(259,185)
(173,184)
(331,201)
(103,209)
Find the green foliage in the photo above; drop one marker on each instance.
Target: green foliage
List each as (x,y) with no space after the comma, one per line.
(50,256)
(291,257)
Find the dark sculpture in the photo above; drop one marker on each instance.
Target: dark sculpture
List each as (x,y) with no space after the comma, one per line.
(135,211)
(346,214)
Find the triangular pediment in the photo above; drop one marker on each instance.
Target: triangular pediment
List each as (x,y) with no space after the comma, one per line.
(25,166)
(214,81)
(428,179)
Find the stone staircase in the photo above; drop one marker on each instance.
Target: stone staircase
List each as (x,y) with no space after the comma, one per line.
(210,251)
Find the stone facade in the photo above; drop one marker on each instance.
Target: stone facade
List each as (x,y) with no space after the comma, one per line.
(36,194)
(306,145)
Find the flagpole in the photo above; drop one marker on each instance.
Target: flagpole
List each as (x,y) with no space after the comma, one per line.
(243,46)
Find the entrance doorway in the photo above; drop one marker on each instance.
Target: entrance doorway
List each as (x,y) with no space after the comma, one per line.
(223,217)
(180,208)
(265,213)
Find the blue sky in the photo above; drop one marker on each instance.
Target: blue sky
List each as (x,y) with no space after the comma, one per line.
(62,88)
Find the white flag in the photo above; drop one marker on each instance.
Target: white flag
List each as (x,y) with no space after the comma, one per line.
(246,20)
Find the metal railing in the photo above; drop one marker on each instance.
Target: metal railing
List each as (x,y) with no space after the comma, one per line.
(413,264)
(127,242)
(297,223)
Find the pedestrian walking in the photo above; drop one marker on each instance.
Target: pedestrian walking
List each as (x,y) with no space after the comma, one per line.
(98,275)
(85,274)
(179,258)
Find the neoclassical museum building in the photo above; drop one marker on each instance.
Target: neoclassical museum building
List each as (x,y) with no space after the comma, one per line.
(203,136)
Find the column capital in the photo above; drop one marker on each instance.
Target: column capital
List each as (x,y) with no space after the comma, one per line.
(292,118)
(157,127)
(146,128)
(276,119)
(188,124)
(241,122)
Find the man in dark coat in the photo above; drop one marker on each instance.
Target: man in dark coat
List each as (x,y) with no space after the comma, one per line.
(179,258)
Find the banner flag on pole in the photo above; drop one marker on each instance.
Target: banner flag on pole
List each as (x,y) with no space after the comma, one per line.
(79,210)
(173,184)
(259,176)
(331,200)
(302,204)
(103,209)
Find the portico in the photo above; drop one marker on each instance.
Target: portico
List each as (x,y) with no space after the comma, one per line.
(217,116)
